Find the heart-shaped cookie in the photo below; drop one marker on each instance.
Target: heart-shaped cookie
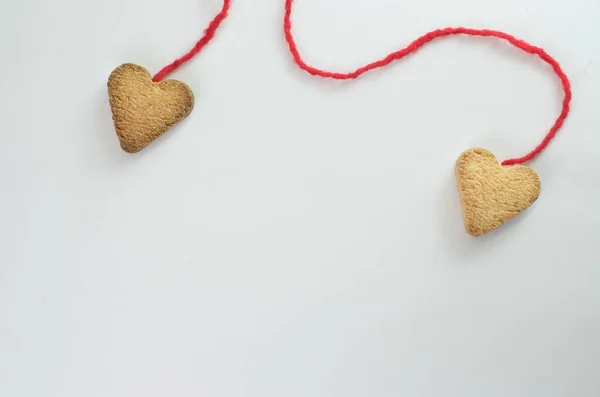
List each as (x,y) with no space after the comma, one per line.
(492,194)
(142,109)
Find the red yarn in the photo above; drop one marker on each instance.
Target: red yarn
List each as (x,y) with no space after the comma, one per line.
(420,42)
(209,33)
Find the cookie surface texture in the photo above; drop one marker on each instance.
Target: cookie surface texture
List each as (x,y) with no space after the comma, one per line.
(142,109)
(491,194)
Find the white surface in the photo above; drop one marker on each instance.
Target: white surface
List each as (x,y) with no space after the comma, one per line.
(295,237)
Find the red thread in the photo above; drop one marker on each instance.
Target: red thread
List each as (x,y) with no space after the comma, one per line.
(428,37)
(209,33)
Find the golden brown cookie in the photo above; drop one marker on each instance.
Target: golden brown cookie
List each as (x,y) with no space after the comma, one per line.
(492,194)
(142,109)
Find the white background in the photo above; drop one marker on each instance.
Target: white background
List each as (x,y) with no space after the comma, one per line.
(295,236)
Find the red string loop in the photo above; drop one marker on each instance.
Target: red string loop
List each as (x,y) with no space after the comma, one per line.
(209,33)
(428,37)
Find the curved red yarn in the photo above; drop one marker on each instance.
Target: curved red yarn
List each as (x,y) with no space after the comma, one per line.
(428,37)
(209,33)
